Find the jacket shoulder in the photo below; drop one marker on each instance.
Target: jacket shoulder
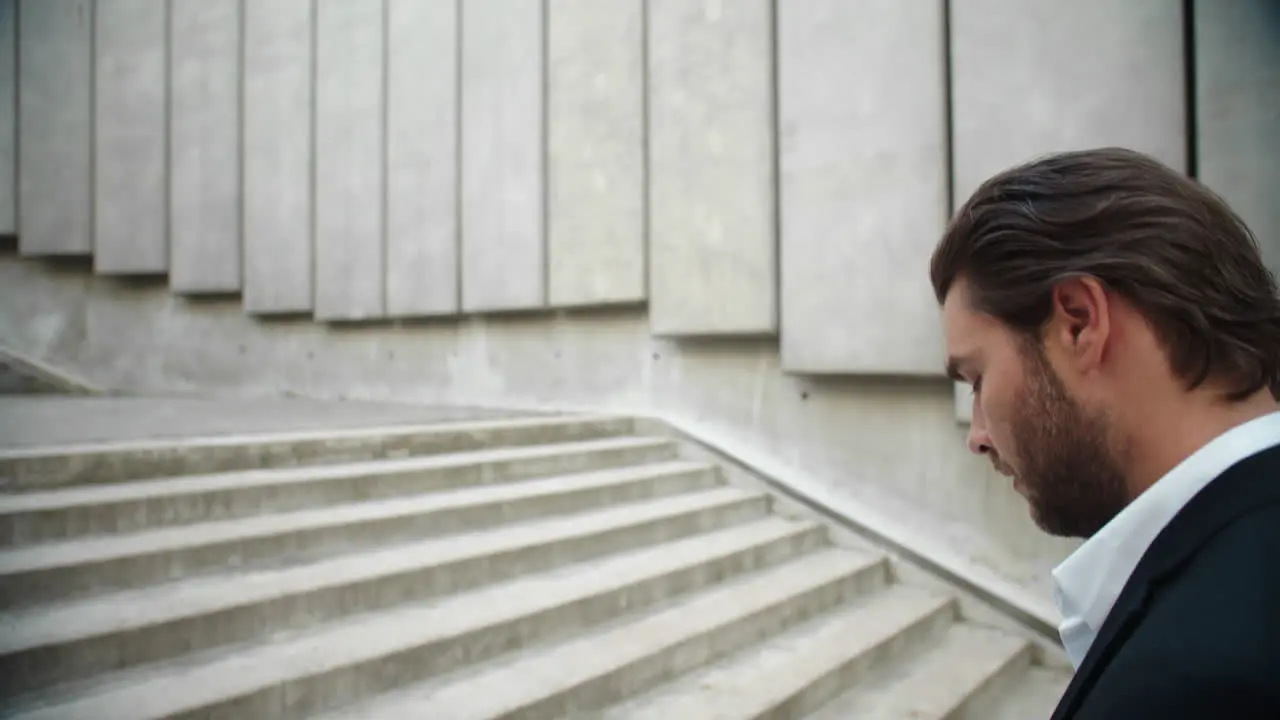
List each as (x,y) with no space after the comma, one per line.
(1209,633)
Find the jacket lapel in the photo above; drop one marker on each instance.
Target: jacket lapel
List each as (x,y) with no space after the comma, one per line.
(1120,623)
(1248,485)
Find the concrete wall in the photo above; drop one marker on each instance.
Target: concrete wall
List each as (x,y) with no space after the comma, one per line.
(717,210)
(892,445)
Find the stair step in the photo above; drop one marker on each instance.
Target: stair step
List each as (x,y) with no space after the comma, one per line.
(936,685)
(1032,693)
(353,659)
(72,568)
(794,674)
(29,518)
(75,640)
(599,668)
(44,468)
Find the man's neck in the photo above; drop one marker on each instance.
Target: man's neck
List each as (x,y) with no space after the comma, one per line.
(1172,433)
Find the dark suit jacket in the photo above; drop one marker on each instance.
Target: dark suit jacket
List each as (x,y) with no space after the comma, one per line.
(1195,633)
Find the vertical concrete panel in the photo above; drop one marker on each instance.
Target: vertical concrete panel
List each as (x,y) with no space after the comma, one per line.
(277,78)
(8,117)
(964,402)
(349,159)
(55,77)
(1031,77)
(713,265)
(595,152)
(422,157)
(1237,53)
(130,131)
(205,147)
(503,253)
(863,183)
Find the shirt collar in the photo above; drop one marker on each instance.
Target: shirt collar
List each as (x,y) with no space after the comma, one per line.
(1088,582)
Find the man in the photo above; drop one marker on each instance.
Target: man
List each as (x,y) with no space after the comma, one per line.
(1122,339)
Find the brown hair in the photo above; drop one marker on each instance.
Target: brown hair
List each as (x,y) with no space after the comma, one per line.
(1156,237)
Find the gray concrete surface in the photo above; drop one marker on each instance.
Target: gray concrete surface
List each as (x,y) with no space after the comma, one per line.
(204,146)
(885,444)
(8,117)
(55,187)
(779,678)
(713,261)
(863,184)
(892,446)
(422,158)
(510,568)
(503,155)
(595,152)
(421,569)
(30,421)
(135,502)
(130,232)
(277,156)
(1084,74)
(1238,112)
(349,184)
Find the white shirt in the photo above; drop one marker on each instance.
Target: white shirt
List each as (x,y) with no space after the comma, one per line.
(1088,582)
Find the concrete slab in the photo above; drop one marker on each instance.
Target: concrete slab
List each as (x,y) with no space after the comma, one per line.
(798,671)
(595,160)
(863,185)
(603,665)
(79,638)
(130,233)
(277,156)
(422,158)
(503,155)
(349,182)
(8,117)
(1237,51)
(1087,74)
(28,421)
(55,72)
(53,572)
(134,505)
(943,679)
(205,146)
(713,261)
(337,664)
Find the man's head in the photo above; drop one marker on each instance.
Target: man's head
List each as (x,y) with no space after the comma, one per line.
(1108,312)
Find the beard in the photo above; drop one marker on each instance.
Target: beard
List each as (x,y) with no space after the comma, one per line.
(1068,466)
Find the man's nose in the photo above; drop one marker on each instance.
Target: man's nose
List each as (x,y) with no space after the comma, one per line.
(979,440)
(979,444)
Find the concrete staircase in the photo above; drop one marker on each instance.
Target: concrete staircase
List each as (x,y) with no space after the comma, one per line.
(518,568)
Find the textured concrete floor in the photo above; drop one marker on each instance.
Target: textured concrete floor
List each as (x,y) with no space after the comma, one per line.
(27,420)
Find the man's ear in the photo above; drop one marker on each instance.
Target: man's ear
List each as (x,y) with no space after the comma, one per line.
(1080,321)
